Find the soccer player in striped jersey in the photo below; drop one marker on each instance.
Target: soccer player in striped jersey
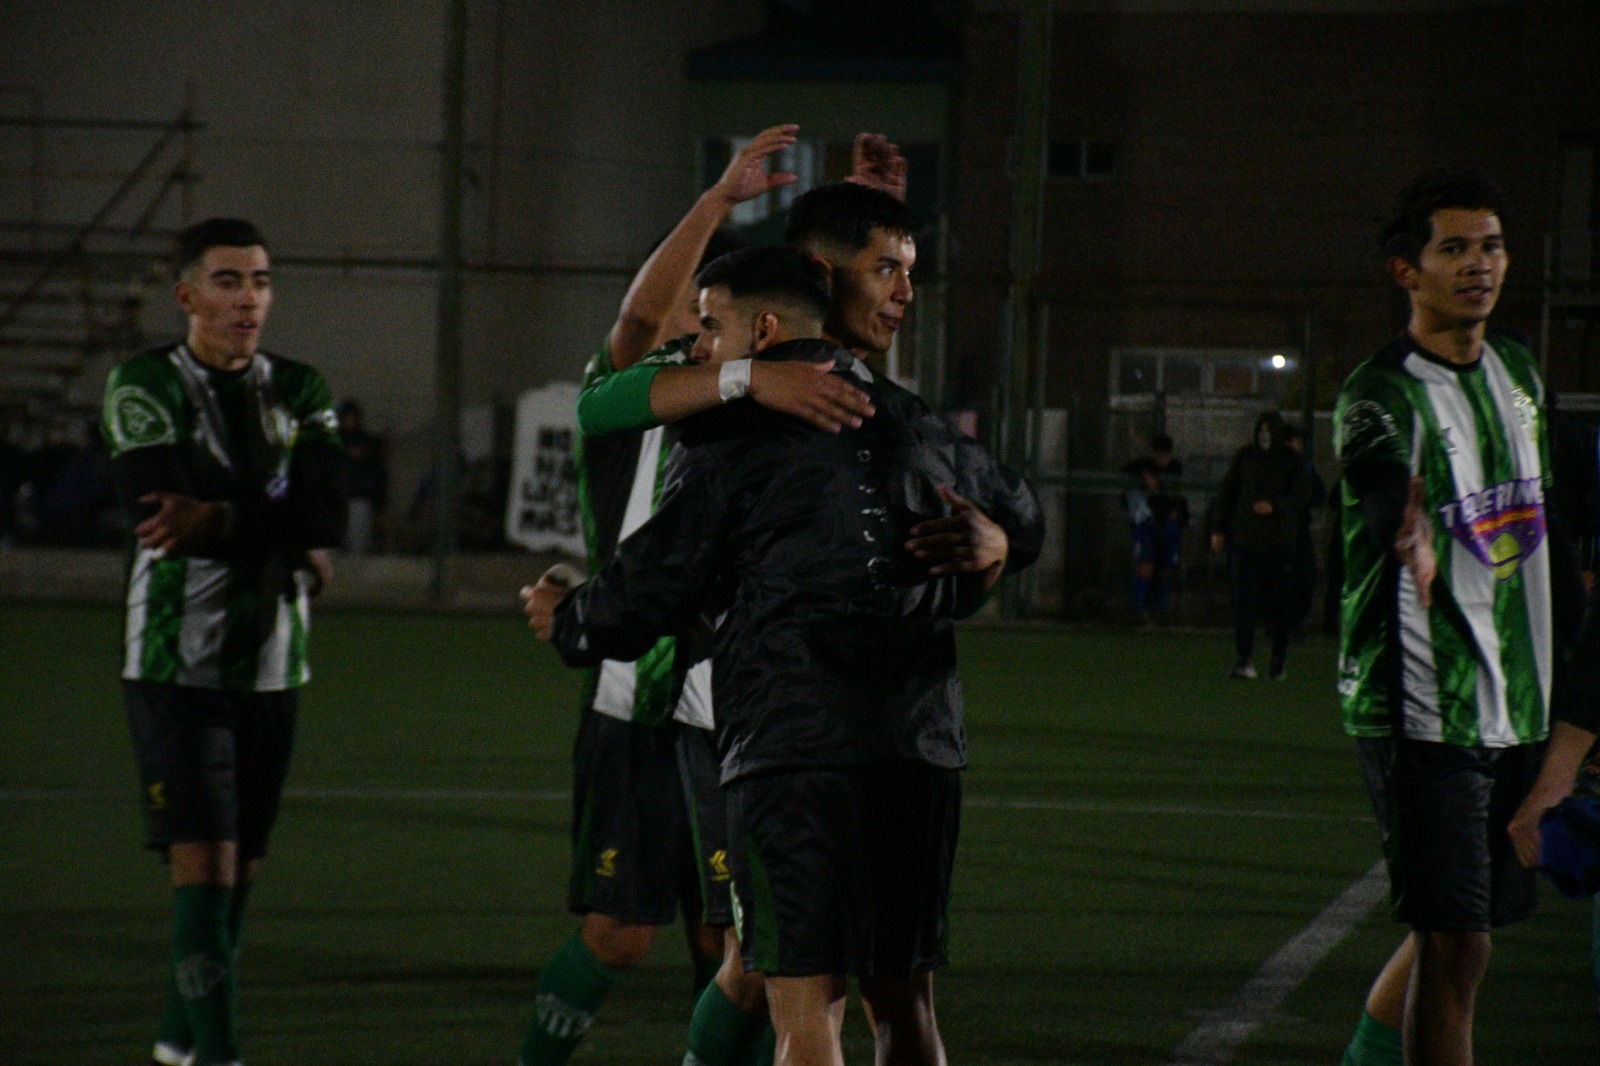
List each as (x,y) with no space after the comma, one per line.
(228,460)
(1447,638)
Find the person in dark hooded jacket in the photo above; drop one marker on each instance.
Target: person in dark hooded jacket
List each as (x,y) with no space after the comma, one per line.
(1259,509)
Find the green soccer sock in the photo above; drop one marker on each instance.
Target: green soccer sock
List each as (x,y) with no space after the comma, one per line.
(1374,1044)
(203,973)
(705,970)
(174,1029)
(572,986)
(720,1034)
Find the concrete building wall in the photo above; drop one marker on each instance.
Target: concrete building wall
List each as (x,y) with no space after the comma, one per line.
(323,121)
(1257,149)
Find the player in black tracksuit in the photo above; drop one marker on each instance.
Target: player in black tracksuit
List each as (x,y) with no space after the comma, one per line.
(839,710)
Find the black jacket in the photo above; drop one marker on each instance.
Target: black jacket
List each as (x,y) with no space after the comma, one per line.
(837,648)
(1266,469)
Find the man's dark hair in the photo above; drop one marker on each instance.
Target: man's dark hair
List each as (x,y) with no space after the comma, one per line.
(774,271)
(1161,443)
(1410,227)
(845,214)
(194,242)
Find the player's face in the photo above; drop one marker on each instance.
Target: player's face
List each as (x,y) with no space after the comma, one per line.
(727,330)
(1457,279)
(871,290)
(226,296)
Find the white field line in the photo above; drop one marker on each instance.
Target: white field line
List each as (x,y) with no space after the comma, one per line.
(1217,1039)
(518,795)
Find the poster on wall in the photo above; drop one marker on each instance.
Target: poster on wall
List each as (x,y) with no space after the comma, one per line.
(542,507)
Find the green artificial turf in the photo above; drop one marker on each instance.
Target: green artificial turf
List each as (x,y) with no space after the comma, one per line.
(1140,835)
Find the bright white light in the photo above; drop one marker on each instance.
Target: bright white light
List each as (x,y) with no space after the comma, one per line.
(1279,362)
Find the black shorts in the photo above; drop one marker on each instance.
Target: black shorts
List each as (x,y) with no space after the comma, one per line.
(1442,810)
(844,871)
(708,821)
(212,763)
(632,853)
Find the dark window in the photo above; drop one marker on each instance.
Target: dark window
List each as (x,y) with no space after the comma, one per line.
(1077,158)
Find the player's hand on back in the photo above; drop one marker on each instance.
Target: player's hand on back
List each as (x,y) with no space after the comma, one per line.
(966,541)
(746,176)
(809,391)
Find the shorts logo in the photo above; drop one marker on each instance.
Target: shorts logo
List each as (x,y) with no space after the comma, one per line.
(607,867)
(158,796)
(137,420)
(719,865)
(1502,525)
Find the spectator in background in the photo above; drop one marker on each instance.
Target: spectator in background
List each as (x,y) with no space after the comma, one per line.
(1303,580)
(1259,506)
(1159,512)
(367,475)
(67,485)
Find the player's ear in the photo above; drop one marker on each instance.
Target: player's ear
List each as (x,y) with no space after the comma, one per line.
(1402,271)
(765,334)
(182,293)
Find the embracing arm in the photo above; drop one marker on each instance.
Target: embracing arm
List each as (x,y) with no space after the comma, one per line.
(654,584)
(651,393)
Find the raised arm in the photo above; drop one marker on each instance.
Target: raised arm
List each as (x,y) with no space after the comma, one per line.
(666,275)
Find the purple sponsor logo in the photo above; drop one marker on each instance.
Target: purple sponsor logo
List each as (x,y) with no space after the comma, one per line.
(1502,525)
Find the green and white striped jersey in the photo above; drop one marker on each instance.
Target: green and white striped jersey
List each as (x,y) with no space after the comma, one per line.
(238,622)
(1475,667)
(619,484)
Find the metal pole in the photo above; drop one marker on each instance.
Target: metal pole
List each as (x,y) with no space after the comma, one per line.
(1027,211)
(447,373)
(1308,390)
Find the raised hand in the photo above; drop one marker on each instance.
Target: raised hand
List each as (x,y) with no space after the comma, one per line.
(875,161)
(747,176)
(808,391)
(1413,543)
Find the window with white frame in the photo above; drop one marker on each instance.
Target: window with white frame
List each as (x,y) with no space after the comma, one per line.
(1202,373)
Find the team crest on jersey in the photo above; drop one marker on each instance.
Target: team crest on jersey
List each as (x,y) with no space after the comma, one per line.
(1502,525)
(137,420)
(1365,422)
(1527,412)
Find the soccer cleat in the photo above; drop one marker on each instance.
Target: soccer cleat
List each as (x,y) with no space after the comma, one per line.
(1277,673)
(1243,672)
(165,1054)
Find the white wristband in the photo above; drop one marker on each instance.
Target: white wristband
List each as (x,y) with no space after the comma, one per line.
(733,379)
